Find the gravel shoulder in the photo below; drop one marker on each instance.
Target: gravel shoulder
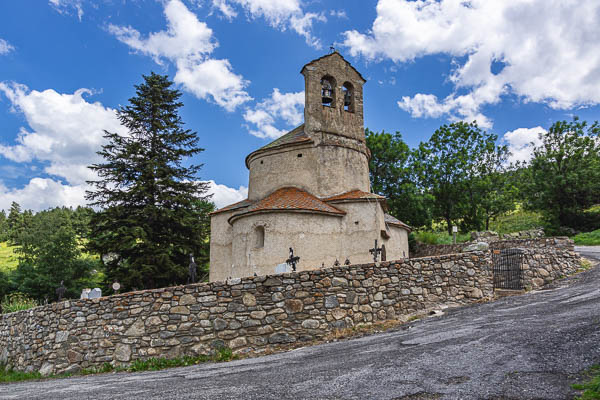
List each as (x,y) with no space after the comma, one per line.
(531,346)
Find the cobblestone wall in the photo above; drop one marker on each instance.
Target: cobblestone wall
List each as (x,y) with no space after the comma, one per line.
(249,313)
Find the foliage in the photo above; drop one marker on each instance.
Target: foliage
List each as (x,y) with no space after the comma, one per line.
(391,175)
(10,375)
(591,388)
(151,203)
(588,239)
(516,221)
(462,168)
(49,252)
(430,237)
(17,302)
(563,178)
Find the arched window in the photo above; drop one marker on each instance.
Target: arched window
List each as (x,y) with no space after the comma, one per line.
(259,236)
(348,91)
(328,91)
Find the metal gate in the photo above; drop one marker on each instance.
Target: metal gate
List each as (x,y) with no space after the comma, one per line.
(508,269)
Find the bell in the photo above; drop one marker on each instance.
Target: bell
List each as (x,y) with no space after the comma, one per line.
(327,97)
(347,98)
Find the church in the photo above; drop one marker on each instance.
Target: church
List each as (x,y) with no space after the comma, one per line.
(309,191)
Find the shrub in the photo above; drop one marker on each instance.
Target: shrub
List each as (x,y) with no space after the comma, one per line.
(17,302)
(588,238)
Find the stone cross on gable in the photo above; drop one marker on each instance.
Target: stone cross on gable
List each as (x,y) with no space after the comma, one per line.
(375,251)
(293,260)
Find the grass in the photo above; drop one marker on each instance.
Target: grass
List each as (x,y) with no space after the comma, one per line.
(8,258)
(516,221)
(591,388)
(588,238)
(9,375)
(152,364)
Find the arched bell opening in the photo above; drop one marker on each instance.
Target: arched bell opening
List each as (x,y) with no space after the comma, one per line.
(328,91)
(348,91)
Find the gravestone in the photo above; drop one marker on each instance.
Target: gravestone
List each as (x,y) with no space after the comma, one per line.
(95,293)
(85,294)
(282,268)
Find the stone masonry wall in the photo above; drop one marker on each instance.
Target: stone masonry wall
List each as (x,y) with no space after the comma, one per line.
(249,313)
(429,250)
(542,266)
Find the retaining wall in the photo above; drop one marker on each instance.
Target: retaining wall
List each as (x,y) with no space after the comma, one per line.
(251,313)
(429,250)
(254,312)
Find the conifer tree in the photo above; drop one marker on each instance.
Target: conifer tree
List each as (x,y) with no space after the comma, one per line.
(149,199)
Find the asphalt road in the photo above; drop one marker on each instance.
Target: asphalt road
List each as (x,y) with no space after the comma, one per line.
(521,347)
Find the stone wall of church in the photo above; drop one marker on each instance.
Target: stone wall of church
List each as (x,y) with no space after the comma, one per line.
(319,240)
(252,313)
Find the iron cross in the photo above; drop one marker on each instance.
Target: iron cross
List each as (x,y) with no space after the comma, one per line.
(375,251)
(293,260)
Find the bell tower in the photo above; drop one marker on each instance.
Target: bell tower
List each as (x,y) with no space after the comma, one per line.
(333,98)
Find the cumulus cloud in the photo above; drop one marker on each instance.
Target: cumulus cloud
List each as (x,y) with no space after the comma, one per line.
(5,47)
(68,6)
(64,130)
(280,14)
(64,133)
(188,42)
(286,108)
(223,195)
(42,193)
(546,51)
(522,141)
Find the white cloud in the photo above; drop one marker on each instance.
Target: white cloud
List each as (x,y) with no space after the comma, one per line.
(549,49)
(213,78)
(5,47)
(339,14)
(66,6)
(41,193)
(280,14)
(522,141)
(188,42)
(64,130)
(280,107)
(223,195)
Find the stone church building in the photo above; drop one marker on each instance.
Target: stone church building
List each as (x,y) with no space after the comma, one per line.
(309,190)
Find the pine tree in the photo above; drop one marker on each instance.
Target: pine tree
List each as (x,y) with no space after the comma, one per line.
(149,219)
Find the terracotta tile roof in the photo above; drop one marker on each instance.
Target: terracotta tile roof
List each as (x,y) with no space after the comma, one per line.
(354,195)
(291,199)
(390,220)
(234,206)
(296,135)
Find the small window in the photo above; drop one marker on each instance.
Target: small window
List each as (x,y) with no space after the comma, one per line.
(259,233)
(348,92)
(299,155)
(328,91)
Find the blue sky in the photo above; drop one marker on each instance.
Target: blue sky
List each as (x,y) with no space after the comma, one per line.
(67,65)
